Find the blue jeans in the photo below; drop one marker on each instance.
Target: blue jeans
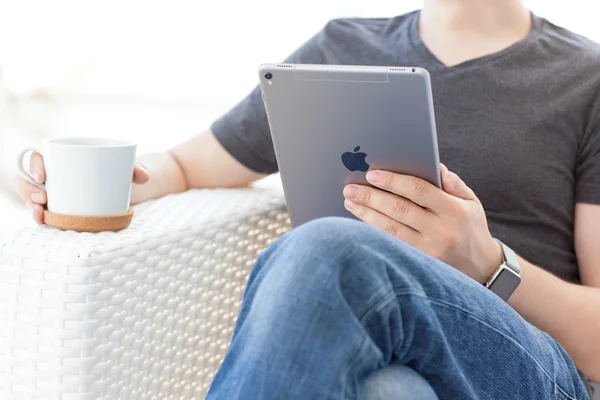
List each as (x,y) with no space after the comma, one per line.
(398,382)
(333,303)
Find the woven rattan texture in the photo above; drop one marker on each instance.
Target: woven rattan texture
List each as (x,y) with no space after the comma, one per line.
(145,313)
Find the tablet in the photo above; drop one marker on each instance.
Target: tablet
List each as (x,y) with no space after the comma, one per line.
(330,124)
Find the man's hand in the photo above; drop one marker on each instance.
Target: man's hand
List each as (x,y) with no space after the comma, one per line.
(35,198)
(448,224)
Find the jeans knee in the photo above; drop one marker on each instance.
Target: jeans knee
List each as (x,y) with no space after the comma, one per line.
(334,246)
(335,236)
(340,254)
(330,233)
(343,240)
(311,258)
(319,242)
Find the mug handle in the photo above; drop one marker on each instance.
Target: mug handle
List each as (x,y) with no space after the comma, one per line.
(26,174)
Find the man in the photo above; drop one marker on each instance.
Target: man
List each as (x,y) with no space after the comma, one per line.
(338,307)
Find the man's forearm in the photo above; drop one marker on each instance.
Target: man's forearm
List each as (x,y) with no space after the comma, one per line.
(569,313)
(206,164)
(200,162)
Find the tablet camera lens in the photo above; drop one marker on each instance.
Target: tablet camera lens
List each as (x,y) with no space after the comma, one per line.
(268,75)
(414,70)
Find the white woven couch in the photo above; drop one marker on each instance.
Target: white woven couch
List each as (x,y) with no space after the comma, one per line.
(145,313)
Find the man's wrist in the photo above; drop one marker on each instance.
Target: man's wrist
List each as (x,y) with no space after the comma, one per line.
(493,260)
(166,177)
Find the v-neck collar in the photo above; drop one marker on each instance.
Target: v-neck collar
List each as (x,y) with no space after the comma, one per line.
(434,64)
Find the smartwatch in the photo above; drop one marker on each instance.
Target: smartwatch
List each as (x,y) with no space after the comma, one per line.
(507,277)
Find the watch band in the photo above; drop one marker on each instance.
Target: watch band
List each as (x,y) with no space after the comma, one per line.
(509,257)
(507,277)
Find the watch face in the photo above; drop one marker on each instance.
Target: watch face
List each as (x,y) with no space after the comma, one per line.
(505,284)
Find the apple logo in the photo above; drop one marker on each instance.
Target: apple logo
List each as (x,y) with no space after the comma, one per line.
(355,161)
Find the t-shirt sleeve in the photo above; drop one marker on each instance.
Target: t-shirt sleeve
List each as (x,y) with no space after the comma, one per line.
(244,131)
(587,171)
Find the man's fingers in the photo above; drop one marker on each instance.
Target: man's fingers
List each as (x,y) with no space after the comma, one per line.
(39,197)
(29,192)
(37,212)
(36,167)
(415,189)
(392,205)
(140,175)
(383,222)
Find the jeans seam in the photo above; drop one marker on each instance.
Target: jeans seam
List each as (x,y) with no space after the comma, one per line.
(562,394)
(445,304)
(381,304)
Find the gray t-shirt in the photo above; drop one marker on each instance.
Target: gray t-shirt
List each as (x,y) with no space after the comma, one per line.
(521,127)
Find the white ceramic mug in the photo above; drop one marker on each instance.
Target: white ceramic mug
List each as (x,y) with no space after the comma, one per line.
(89,177)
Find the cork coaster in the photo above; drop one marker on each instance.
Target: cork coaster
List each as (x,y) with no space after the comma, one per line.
(88,224)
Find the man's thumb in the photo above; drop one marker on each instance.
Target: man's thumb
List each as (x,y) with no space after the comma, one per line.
(452,184)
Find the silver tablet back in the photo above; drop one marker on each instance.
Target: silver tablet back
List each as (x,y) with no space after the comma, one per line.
(330,124)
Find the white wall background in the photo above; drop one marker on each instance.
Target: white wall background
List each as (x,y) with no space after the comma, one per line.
(198,53)
(159,71)
(177,48)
